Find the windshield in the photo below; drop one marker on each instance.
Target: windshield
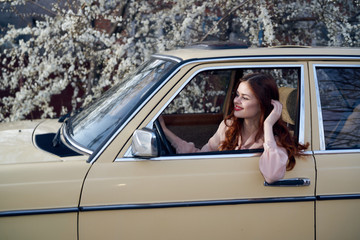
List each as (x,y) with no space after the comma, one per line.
(92,126)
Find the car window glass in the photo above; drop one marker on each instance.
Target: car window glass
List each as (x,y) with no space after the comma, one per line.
(205,93)
(91,127)
(340,106)
(196,112)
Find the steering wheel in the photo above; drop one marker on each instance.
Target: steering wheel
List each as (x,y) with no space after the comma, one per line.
(169,149)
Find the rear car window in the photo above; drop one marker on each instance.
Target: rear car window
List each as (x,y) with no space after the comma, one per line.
(339,89)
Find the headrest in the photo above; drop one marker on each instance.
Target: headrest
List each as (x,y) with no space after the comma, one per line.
(288,98)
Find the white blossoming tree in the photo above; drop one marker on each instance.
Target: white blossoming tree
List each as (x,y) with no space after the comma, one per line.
(83,48)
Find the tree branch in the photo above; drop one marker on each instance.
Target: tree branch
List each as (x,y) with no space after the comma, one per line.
(223,19)
(42,7)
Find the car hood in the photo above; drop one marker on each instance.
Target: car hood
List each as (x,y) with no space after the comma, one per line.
(17,141)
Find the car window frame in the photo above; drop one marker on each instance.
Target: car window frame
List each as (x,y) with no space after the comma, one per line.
(321,130)
(176,68)
(204,66)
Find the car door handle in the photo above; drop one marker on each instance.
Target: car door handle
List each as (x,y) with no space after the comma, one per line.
(290,182)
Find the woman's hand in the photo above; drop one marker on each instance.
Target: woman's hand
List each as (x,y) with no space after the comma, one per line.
(162,122)
(275,114)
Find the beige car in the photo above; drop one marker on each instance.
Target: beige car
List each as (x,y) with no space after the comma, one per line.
(108,172)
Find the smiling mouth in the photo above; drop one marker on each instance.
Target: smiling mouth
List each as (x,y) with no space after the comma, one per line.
(237,108)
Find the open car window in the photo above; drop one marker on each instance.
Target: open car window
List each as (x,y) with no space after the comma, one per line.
(196,112)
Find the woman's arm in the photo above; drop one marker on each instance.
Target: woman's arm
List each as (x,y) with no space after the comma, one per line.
(179,144)
(182,146)
(273,161)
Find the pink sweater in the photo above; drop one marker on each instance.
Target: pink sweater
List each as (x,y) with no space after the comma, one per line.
(272,161)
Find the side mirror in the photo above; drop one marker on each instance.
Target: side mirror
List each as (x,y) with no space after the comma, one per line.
(144,144)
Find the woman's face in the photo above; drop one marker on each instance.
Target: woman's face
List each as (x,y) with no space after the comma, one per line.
(246,105)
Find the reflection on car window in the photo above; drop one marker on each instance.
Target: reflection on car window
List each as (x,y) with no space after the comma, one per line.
(94,124)
(204,94)
(340,104)
(196,112)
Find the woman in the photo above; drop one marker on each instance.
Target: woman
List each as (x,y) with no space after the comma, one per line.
(255,122)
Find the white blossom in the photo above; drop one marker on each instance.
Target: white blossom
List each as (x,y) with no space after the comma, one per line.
(93,44)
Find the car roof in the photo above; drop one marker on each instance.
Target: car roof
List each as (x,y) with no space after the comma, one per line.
(207,52)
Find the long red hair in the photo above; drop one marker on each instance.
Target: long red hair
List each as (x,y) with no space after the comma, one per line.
(264,88)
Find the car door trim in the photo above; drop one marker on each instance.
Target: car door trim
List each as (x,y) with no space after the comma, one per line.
(301,66)
(337,197)
(95,155)
(178,204)
(337,151)
(196,203)
(156,205)
(12,213)
(318,102)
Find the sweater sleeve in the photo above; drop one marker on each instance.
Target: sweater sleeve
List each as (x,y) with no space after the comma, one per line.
(182,146)
(215,141)
(273,162)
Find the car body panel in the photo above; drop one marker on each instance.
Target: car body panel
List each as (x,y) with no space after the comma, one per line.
(42,186)
(207,222)
(13,135)
(134,190)
(39,191)
(18,140)
(338,188)
(46,226)
(42,199)
(337,218)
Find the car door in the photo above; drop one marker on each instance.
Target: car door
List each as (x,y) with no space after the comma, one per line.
(336,121)
(197,196)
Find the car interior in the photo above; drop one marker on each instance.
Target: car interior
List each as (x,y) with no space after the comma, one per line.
(195,116)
